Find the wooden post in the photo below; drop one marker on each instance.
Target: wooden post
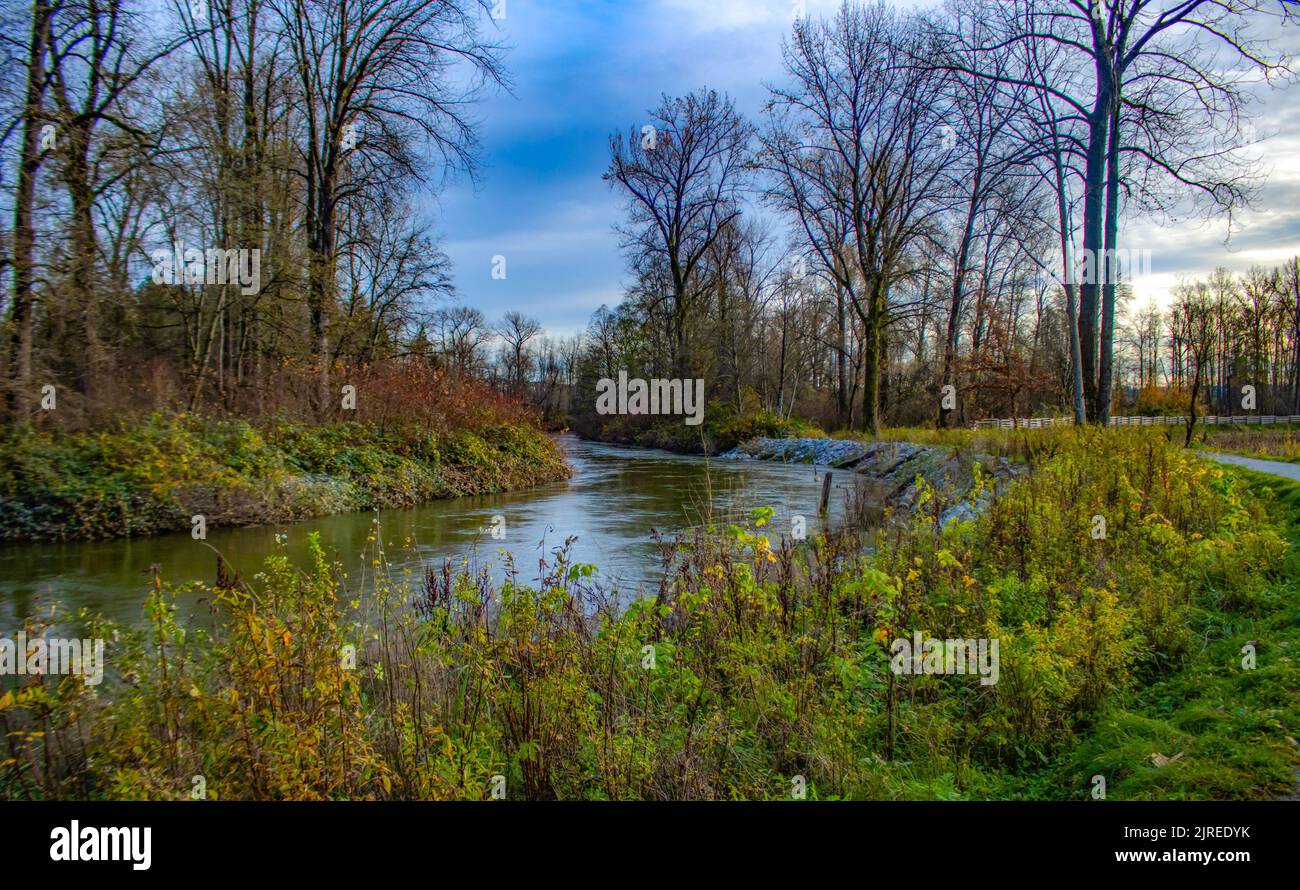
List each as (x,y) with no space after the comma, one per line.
(826,493)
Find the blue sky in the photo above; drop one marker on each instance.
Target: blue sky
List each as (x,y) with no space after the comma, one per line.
(584,68)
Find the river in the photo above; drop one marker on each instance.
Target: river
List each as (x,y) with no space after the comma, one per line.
(613,501)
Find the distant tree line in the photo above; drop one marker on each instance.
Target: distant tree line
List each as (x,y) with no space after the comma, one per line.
(1224,333)
(924,224)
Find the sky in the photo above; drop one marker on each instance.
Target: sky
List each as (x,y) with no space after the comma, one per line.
(582,69)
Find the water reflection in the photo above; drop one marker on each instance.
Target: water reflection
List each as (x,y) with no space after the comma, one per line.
(614,500)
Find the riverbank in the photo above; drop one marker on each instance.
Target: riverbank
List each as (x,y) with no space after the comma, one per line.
(721,430)
(895,470)
(1121,656)
(970,470)
(156,475)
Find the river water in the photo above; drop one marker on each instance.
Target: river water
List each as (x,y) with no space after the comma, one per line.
(613,501)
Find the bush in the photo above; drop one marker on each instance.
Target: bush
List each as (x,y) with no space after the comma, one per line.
(756,663)
(722,429)
(152,476)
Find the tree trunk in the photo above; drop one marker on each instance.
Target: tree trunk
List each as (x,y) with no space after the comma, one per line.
(955,307)
(24,239)
(872,354)
(1105,371)
(84,251)
(321,290)
(841,360)
(1093,201)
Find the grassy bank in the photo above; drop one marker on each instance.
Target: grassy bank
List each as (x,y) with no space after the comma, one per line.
(721,430)
(757,666)
(1280,442)
(154,475)
(1211,729)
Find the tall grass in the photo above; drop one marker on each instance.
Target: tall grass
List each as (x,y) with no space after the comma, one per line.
(758,663)
(1268,443)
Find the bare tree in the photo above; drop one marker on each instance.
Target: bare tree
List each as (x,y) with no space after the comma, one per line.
(461,332)
(375,80)
(980,115)
(22,311)
(516,329)
(857,149)
(1196,309)
(682,174)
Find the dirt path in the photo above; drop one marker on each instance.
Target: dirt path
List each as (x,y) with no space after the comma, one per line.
(1275,467)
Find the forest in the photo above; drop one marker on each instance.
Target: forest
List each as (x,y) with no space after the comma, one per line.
(928,199)
(938,199)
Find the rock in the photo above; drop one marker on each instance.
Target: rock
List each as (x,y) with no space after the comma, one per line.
(897,465)
(962,511)
(822,452)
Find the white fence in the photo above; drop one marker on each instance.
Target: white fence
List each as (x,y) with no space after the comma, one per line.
(1033,423)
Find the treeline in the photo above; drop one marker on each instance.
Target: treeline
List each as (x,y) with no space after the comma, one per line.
(924,223)
(213,203)
(213,207)
(1224,333)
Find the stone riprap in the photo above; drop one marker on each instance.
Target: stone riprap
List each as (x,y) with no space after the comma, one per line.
(896,466)
(822,452)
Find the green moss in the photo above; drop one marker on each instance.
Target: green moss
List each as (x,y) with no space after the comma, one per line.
(152,476)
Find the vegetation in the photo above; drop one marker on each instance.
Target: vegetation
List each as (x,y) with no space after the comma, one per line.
(155,475)
(1278,442)
(224,304)
(266,218)
(207,191)
(723,429)
(222,300)
(965,252)
(758,662)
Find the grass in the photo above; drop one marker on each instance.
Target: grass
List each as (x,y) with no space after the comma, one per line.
(1232,731)
(153,476)
(758,663)
(1281,442)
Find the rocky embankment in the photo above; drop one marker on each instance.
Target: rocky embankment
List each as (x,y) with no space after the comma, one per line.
(893,469)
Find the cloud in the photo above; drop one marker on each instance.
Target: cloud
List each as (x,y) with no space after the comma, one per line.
(1266,235)
(584,68)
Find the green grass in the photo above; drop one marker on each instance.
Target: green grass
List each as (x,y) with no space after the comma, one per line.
(153,475)
(1236,729)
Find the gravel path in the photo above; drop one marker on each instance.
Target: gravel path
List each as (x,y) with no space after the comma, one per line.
(1274,467)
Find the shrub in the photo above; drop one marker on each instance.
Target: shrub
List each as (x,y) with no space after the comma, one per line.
(756,662)
(152,476)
